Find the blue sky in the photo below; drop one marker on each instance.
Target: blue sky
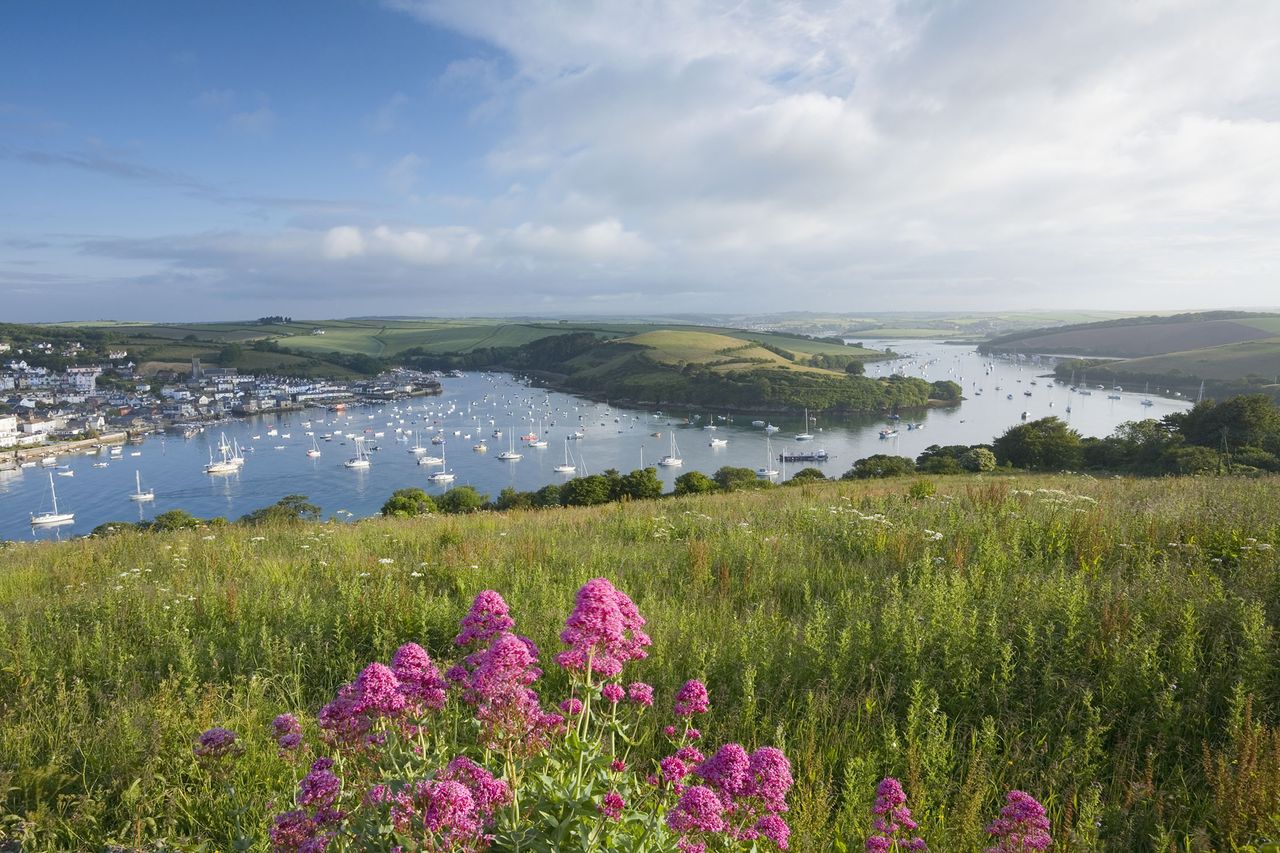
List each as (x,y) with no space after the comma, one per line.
(170,161)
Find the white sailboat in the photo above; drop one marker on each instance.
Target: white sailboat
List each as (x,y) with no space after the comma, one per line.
(442,476)
(768,472)
(804,434)
(227,464)
(361,459)
(567,467)
(510,454)
(314,452)
(417,449)
(49,519)
(138,494)
(672,459)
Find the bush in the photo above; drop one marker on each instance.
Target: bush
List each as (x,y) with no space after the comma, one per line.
(290,509)
(461,499)
(879,465)
(732,478)
(694,483)
(409,503)
(922,489)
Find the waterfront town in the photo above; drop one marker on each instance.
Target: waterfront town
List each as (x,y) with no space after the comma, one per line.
(109,400)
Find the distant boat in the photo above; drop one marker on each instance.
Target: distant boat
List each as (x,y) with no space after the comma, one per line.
(361,459)
(442,476)
(49,519)
(510,454)
(767,472)
(804,434)
(757,423)
(888,432)
(66,473)
(138,494)
(417,449)
(672,459)
(719,442)
(567,467)
(770,428)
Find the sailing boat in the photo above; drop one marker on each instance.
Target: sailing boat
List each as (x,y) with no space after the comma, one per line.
(672,459)
(139,495)
(1147,401)
(361,459)
(314,452)
(768,472)
(538,440)
(567,467)
(417,449)
(804,434)
(442,476)
(48,519)
(228,464)
(510,453)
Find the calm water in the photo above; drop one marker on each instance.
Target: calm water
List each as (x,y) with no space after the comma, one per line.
(478,404)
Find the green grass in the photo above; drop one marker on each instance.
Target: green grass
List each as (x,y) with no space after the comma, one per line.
(1091,642)
(1231,361)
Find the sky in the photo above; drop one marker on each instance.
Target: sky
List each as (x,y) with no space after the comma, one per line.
(180,161)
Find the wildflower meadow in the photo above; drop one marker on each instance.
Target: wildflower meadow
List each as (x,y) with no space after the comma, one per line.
(995,664)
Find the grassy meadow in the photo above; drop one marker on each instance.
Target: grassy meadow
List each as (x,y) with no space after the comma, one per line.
(1106,645)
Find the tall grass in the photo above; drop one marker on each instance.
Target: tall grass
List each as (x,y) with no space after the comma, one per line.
(1108,646)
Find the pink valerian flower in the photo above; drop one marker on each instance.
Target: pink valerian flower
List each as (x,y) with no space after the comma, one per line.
(440,814)
(505,705)
(488,792)
(215,745)
(684,845)
(611,806)
(640,694)
(692,699)
(419,678)
(613,693)
(488,617)
(690,755)
(699,809)
(291,830)
(1022,825)
(618,765)
(770,778)
(775,829)
(603,632)
(892,825)
(288,734)
(728,772)
(572,707)
(673,769)
(378,692)
(320,787)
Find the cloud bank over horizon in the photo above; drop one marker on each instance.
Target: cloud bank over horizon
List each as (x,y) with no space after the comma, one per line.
(447,157)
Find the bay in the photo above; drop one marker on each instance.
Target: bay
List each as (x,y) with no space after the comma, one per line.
(478,403)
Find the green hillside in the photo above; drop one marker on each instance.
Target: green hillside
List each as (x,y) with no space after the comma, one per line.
(1108,645)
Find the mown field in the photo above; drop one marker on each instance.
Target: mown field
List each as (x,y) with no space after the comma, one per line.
(1230,361)
(1107,645)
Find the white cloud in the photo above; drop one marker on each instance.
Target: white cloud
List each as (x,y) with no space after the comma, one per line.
(343,241)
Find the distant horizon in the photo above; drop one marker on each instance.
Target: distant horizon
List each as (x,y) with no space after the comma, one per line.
(640,316)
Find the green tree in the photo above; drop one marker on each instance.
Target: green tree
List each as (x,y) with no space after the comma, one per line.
(290,509)
(807,475)
(175,519)
(408,503)
(879,465)
(978,460)
(1046,444)
(461,499)
(945,390)
(510,498)
(230,354)
(641,484)
(855,368)
(731,478)
(586,491)
(694,483)
(547,496)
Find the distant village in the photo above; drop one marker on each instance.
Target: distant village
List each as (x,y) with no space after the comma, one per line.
(106,397)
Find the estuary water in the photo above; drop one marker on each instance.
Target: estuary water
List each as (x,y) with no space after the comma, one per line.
(473,407)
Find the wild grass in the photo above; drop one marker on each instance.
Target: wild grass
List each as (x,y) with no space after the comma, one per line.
(1108,646)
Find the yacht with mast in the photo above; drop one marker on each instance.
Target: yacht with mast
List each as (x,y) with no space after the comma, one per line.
(672,459)
(139,495)
(52,518)
(361,459)
(804,434)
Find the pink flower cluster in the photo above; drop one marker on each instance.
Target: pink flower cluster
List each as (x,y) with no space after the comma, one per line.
(216,745)
(311,828)
(288,734)
(692,699)
(449,812)
(893,826)
(1022,825)
(408,689)
(488,616)
(743,797)
(603,632)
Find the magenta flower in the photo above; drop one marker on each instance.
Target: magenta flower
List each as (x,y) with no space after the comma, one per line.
(728,771)
(697,810)
(217,744)
(291,830)
(319,788)
(419,678)
(613,692)
(1022,825)
(618,765)
(378,691)
(892,824)
(611,806)
(603,632)
(572,707)
(640,693)
(770,774)
(692,699)
(449,810)
(673,769)
(685,845)
(286,724)
(690,754)
(488,792)
(487,617)
(775,829)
